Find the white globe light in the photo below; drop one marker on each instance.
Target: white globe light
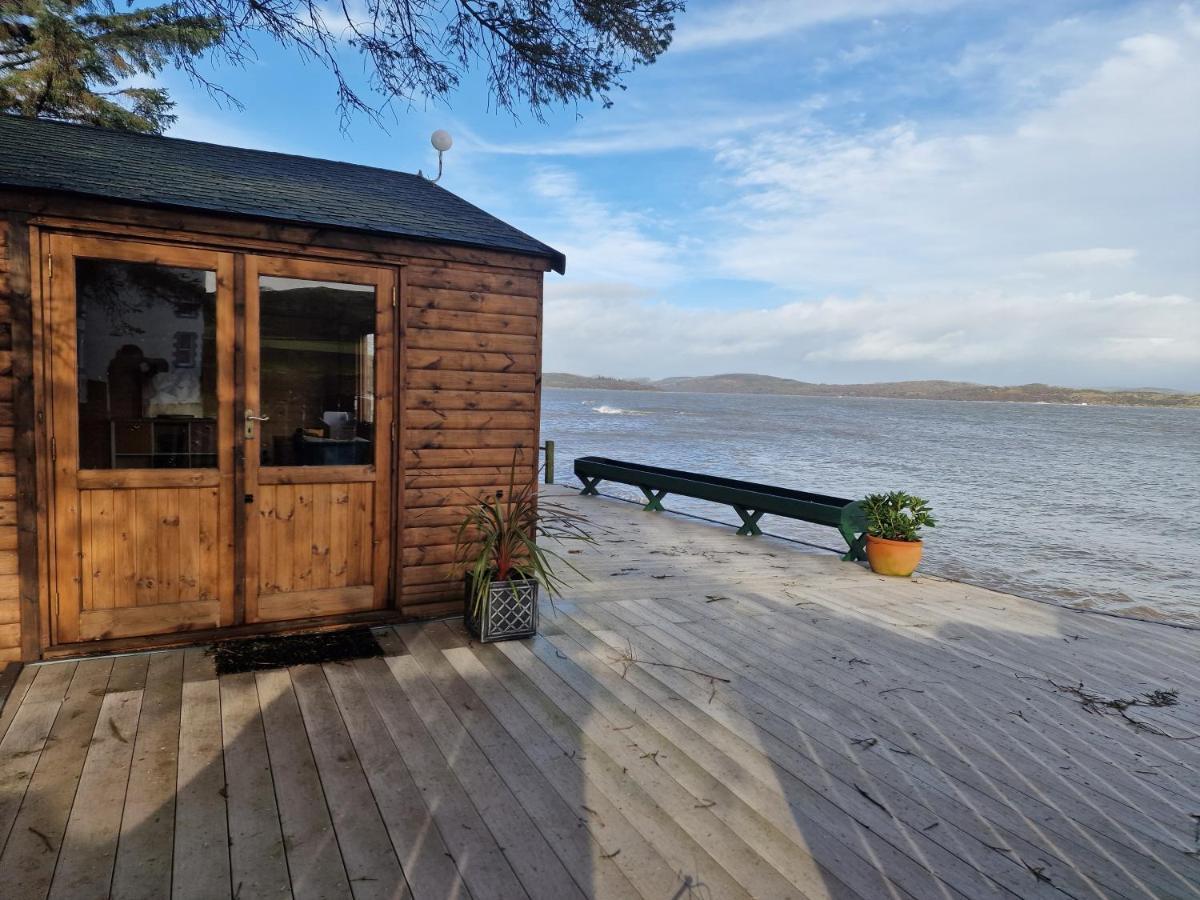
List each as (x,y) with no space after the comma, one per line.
(441,140)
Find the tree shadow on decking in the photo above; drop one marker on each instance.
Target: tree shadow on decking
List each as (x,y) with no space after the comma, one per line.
(893,748)
(755,741)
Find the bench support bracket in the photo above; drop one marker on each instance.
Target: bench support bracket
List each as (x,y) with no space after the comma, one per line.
(857,545)
(654,499)
(749,520)
(589,485)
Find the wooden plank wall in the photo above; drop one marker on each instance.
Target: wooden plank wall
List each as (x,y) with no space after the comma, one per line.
(471,405)
(10,610)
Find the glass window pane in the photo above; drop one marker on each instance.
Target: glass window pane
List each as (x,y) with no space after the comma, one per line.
(317,372)
(147,365)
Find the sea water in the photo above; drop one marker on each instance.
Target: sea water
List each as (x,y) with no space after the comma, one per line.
(1086,506)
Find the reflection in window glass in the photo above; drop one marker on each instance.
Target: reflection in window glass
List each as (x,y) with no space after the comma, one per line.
(146,365)
(317,372)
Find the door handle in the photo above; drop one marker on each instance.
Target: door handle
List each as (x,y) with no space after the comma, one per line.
(251,418)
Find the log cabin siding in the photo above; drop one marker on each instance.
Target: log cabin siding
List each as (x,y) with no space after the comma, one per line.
(472,392)
(468,388)
(10,603)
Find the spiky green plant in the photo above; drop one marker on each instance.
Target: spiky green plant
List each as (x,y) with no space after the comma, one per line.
(897,516)
(498,540)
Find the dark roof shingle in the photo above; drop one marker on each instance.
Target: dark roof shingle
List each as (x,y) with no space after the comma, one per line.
(160,171)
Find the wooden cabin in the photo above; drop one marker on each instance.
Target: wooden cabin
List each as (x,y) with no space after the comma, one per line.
(244,391)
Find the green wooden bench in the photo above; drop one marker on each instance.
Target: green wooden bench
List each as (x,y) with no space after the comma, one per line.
(751,501)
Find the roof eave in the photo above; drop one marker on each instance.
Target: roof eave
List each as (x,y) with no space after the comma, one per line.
(556,259)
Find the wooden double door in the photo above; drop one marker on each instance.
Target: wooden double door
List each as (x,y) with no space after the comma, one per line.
(221,437)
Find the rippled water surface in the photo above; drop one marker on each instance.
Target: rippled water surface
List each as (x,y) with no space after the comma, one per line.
(1095,507)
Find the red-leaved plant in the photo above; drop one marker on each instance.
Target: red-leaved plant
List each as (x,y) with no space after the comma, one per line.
(498,540)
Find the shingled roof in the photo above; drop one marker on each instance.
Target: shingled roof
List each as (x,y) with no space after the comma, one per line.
(169,172)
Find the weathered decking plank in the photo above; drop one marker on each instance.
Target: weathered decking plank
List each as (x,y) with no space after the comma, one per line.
(778,728)
(25,737)
(201,852)
(89,847)
(715,782)
(257,857)
(146,845)
(689,859)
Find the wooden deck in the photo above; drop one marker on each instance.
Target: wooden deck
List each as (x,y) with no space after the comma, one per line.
(710,716)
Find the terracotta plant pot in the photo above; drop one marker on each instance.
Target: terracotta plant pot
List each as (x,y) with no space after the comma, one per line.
(893,557)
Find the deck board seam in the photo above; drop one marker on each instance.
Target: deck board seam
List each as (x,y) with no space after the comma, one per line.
(75,792)
(274,787)
(116,849)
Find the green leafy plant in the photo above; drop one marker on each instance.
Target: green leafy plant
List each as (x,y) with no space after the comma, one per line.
(82,60)
(897,516)
(498,540)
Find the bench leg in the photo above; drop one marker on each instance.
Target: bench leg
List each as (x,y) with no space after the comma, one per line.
(589,485)
(857,545)
(654,499)
(749,520)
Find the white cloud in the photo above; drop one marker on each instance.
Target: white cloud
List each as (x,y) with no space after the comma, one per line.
(1092,339)
(701,127)
(600,240)
(753,20)
(1059,243)
(344,17)
(1092,256)
(1108,166)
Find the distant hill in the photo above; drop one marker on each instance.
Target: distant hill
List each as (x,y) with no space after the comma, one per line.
(594,383)
(906,390)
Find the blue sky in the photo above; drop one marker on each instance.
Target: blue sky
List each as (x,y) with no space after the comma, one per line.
(835,191)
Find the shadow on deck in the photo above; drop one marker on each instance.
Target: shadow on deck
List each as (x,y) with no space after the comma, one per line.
(709,716)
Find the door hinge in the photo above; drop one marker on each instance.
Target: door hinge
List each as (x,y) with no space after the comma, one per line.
(49,265)
(393,432)
(395,296)
(53,449)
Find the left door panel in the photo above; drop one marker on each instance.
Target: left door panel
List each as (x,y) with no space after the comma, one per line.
(140,374)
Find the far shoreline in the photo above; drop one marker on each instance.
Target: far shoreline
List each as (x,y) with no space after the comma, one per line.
(1100,405)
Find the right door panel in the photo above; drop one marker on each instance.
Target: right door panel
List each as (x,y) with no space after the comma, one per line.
(318,428)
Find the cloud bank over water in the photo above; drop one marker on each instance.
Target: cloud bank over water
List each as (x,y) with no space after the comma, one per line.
(1050,234)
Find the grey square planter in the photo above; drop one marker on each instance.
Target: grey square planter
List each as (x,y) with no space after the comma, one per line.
(510,611)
